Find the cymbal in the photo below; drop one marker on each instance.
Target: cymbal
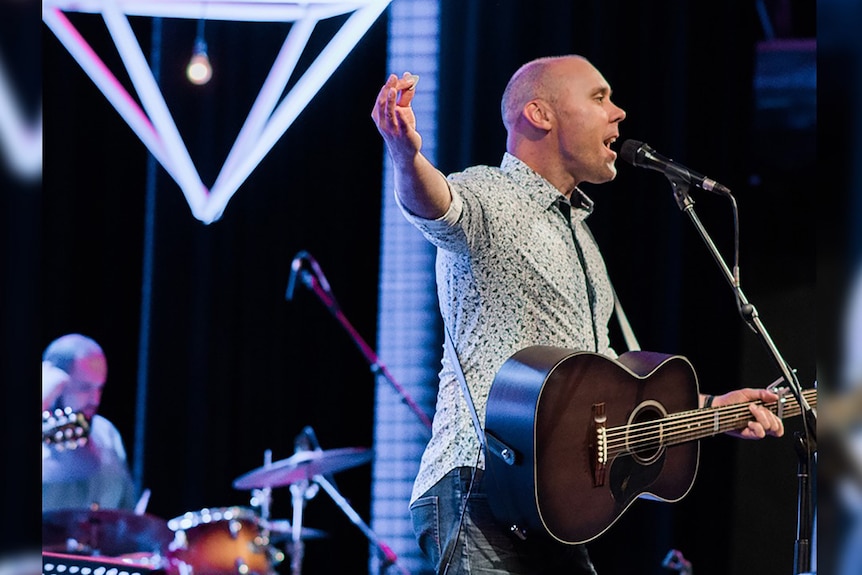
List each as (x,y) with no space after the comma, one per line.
(110,532)
(303,466)
(281,529)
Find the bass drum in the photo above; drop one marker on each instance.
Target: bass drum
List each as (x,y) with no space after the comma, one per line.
(220,541)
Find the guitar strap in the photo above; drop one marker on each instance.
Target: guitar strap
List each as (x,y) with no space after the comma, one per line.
(456,365)
(626,328)
(628,334)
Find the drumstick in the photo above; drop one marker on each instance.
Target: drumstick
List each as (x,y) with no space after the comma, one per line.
(141,505)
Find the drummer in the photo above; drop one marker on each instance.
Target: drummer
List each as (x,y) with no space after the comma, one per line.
(92,469)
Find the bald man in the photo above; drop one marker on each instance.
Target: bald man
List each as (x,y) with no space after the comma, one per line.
(516,267)
(74,371)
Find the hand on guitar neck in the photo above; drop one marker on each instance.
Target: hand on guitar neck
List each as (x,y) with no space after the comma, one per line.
(62,427)
(765,421)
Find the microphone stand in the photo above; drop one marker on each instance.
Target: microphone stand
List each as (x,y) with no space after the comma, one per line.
(388,557)
(377,367)
(307,441)
(806,443)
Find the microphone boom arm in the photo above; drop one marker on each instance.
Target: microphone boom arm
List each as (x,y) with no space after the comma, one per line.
(377,367)
(748,311)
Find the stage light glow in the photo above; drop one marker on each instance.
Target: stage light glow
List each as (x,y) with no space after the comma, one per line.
(199,71)
(271,114)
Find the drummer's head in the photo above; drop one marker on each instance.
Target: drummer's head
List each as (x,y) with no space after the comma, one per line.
(83,359)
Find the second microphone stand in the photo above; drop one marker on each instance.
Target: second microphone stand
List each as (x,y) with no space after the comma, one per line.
(318,284)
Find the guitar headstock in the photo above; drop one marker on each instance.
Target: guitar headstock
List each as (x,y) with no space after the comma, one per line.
(64,429)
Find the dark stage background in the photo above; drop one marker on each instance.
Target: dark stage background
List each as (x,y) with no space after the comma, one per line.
(234,370)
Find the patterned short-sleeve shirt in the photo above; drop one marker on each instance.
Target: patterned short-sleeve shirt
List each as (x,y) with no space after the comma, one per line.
(509,275)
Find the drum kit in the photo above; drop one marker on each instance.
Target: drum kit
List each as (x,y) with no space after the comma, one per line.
(211,541)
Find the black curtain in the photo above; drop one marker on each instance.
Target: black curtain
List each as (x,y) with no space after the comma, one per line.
(20,200)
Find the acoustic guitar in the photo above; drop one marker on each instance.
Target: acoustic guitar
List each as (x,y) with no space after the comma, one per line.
(63,428)
(574,438)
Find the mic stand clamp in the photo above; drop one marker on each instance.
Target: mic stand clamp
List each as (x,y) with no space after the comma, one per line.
(806,446)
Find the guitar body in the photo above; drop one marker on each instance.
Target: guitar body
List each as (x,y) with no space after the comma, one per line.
(548,405)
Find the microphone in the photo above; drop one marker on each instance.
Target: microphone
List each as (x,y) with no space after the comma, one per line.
(642,155)
(318,273)
(295,267)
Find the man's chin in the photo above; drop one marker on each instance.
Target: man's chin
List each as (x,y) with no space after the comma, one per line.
(607,175)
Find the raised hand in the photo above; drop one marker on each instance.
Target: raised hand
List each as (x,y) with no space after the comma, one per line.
(393,115)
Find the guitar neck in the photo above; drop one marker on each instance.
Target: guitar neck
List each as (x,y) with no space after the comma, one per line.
(696,424)
(709,421)
(65,429)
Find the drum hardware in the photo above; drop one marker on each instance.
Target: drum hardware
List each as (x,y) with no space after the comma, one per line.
(298,472)
(305,473)
(106,532)
(222,541)
(64,564)
(303,465)
(281,529)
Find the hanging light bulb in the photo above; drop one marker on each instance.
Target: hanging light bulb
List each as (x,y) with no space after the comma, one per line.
(199,71)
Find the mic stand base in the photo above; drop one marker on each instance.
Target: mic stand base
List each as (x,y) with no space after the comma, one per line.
(387,556)
(802,547)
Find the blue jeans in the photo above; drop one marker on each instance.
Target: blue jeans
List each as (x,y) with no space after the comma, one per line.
(483,546)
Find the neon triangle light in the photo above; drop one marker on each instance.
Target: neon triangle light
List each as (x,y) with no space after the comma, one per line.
(20,139)
(268,118)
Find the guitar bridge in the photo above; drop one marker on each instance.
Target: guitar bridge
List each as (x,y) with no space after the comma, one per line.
(600,445)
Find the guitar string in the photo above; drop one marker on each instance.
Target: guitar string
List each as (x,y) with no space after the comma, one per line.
(667,431)
(689,426)
(664,437)
(709,415)
(651,434)
(686,420)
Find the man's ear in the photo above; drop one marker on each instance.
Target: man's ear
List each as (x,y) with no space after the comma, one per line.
(537,113)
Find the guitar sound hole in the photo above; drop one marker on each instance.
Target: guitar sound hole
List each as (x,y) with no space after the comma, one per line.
(645,441)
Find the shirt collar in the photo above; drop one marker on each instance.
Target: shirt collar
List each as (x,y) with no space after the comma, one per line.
(541,190)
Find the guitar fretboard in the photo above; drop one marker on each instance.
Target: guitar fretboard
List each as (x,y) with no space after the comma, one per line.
(696,424)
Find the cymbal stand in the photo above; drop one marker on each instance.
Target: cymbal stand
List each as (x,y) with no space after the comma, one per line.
(301,491)
(388,557)
(262,498)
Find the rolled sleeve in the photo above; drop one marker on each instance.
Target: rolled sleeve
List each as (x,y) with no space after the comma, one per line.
(449,219)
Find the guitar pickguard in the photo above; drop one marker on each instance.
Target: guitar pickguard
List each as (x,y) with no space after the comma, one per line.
(633,471)
(628,478)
